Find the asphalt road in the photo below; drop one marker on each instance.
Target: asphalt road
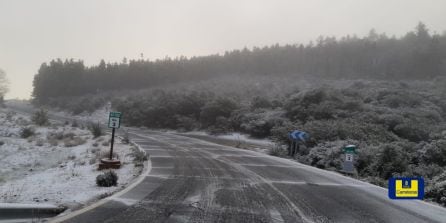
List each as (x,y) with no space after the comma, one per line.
(196,181)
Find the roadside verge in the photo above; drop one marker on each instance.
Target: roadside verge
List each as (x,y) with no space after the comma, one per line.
(146,170)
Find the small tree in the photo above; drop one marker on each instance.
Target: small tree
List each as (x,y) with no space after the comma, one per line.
(27,132)
(40,118)
(4,86)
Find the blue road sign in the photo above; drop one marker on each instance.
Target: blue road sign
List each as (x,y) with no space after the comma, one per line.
(298,136)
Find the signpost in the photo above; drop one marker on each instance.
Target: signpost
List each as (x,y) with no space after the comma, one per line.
(296,137)
(348,166)
(114,122)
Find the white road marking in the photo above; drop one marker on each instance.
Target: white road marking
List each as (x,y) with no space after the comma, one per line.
(265,165)
(316,184)
(125,201)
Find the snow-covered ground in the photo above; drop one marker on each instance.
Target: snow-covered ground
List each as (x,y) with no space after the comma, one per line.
(100,115)
(57,165)
(259,145)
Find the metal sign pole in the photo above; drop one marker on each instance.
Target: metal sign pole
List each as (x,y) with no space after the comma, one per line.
(111,143)
(293,145)
(294,149)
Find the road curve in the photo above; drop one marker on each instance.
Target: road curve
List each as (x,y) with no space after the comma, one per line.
(197,181)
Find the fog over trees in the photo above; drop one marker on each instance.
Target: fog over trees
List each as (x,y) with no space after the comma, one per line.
(385,94)
(417,55)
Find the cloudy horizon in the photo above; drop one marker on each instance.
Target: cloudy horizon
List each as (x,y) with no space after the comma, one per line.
(34,32)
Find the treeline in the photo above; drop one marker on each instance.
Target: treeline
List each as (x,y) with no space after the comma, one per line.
(417,55)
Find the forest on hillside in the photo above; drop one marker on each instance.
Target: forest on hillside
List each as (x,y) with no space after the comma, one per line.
(416,55)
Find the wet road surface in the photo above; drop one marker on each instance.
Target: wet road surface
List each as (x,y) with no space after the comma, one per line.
(196,181)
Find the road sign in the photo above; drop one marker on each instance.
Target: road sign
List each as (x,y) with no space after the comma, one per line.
(298,136)
(350,149)
(349,157)
(114,120)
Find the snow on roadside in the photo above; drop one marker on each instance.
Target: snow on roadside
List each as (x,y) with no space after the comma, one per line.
(246,138)
(57,165)
(263,144)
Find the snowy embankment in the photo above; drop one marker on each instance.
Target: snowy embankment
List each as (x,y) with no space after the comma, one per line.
(56,164)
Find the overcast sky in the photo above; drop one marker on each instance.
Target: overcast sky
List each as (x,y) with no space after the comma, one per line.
(32,32)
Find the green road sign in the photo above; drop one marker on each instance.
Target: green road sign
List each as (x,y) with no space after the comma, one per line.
(114,120)
(350,149)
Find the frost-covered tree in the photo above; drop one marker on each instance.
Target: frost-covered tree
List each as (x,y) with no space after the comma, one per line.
(4,85)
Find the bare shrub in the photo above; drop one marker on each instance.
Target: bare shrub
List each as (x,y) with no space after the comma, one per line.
(138,156)
(107,179)
(27,132)
(277,150)
(55,135)
(96,130)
